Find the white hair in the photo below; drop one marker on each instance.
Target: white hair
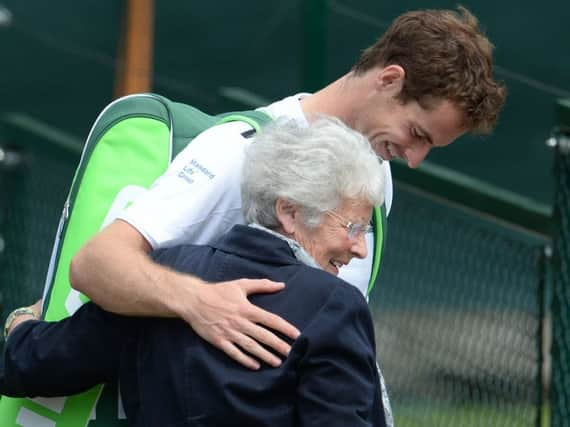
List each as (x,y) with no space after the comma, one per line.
(314,167)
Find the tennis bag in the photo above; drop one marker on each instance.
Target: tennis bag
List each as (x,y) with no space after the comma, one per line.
(131,143)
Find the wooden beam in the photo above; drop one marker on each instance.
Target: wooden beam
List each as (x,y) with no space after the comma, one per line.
(135,59)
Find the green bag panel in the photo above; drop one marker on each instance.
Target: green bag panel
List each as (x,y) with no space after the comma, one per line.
(130,155)
(379,224)
(189,120)
(141,106)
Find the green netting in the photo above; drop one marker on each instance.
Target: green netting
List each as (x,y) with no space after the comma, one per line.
(560,397)
(33,193)
(457,317)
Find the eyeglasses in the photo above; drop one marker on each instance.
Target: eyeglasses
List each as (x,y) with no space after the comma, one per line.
(354,229)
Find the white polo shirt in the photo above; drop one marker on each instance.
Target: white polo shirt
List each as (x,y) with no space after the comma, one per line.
(198,198)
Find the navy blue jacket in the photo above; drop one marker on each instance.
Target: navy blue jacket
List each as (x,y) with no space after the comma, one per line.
(169,376)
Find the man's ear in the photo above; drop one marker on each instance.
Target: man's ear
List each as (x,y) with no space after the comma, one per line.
(391,79)
(286,215)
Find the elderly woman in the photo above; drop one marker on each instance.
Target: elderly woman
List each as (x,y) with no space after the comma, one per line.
(308,196)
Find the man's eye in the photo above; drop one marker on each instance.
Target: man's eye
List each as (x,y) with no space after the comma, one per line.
(420,136)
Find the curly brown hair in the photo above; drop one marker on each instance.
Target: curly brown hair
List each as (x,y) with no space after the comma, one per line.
(445,56)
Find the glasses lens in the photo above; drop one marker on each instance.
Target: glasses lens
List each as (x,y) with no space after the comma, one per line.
(355,230)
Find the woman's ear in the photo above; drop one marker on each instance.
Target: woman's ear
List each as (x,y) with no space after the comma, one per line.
(286,215)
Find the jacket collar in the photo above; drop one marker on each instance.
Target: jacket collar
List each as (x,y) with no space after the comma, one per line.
(256,244)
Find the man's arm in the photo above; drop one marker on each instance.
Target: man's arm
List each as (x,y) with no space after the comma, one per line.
(61,358)
(115,271)
(338,380)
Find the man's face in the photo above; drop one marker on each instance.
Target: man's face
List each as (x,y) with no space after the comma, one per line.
(408,131)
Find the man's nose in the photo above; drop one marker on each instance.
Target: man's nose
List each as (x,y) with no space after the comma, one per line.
(416,155)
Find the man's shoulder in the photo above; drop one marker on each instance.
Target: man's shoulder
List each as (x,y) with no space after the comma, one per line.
(287,108)
(221,132)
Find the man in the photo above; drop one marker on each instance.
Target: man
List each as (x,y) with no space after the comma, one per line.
(426,82)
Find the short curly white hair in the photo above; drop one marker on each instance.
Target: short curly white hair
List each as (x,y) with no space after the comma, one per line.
(314,167)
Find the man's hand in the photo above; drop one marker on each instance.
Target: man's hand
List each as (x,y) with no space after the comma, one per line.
(223,316)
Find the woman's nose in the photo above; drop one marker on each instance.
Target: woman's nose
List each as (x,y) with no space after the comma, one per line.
(360,247)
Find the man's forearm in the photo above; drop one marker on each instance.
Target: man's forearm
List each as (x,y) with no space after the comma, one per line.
(115,271)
